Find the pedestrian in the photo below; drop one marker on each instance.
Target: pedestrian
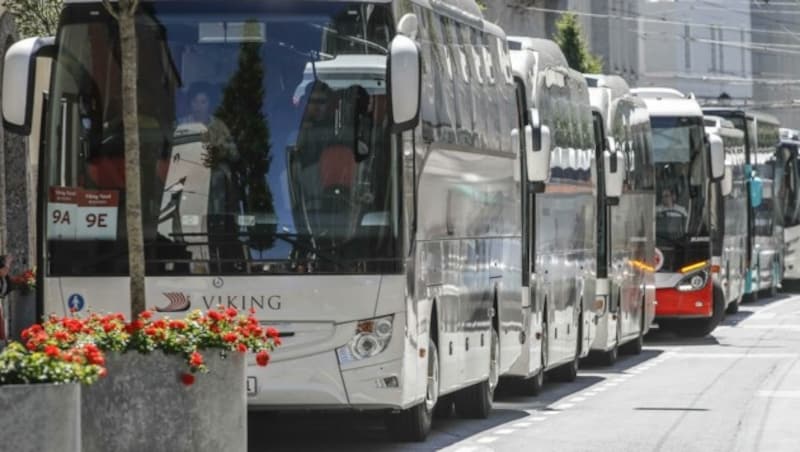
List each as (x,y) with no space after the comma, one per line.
(5,288)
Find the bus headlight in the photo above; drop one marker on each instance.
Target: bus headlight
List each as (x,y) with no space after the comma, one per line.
(371,337)
(695,281)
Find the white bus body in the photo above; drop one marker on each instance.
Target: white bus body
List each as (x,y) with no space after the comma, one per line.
(387,252)
(560,237)
(628,225)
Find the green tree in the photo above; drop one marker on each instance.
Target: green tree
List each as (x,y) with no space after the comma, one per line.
(241,111)
(35,17)
(569,37)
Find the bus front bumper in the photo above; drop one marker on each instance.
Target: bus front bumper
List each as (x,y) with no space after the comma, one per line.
(672,303)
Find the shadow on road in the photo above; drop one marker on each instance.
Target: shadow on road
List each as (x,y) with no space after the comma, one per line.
(658,337)
(357,431)
(270,431)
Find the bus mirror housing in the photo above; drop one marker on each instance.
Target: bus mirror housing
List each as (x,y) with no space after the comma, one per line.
(19,80)
(717,157)
(614,175)
(537,149)
(404,78)
(727,182)
(756,191)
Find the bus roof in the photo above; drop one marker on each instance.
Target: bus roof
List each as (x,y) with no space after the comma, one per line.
(618,86)
(739,111)
(550,53)
(668,102)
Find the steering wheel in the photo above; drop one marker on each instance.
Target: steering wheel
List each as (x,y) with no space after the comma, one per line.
(664,212)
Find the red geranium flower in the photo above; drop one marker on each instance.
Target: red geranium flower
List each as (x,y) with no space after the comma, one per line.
(146,314)
(196,359)
(232,313)
(262,358)
(241,347)
(230,337)
(51,351)
(272,333)
(187,379)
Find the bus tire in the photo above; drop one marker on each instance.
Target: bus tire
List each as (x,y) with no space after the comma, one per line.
(414,424)
(635,346)
(532,386)
(733,308)
(475,402)
(609,357)
(569,372)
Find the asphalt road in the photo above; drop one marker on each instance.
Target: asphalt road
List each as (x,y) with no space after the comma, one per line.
(736,390)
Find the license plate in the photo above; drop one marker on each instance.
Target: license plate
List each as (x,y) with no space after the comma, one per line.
(252,386)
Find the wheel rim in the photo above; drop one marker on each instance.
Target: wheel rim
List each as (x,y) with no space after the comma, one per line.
(432,392)
(494,365)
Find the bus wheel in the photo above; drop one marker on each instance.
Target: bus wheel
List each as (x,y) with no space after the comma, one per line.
(635,346)
(569,372)
(475,402)
(414,424)
(533,386)
(733,308)
(610,357)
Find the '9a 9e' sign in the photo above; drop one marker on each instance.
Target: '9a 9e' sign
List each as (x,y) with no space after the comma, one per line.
(78,214)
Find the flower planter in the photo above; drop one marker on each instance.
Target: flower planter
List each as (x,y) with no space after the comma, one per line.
(142,405)
(40,417)
(21,313)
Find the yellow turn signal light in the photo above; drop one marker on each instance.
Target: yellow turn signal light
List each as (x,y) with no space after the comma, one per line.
(693,267)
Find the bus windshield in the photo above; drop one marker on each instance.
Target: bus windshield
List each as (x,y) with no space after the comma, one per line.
(264,140)
(680,178)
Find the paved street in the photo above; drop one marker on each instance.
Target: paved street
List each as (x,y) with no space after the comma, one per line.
(738,390)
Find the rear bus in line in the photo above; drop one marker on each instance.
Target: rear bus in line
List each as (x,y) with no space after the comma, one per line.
(729,205)
(687,166)
(357,189)
(789,159)
(625,218)
(559,213)
(765,223)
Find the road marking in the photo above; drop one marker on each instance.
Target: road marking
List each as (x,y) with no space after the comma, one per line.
(763,315)
(538,418)
(563,406)
(739,355)
(487,439)
(465,449)
(780,394)
(522,424)
(600,389)
(550,413)
(577,399)
(504,431)
(772,327)
(778,304)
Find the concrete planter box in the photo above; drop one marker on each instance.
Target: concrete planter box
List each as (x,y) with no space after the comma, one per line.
(40,417)
(143,406)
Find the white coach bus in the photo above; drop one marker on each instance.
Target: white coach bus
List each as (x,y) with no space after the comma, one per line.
(729,204)
(559,210)
(626,222)
(369,208)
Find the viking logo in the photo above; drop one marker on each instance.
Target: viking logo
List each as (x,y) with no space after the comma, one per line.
(178,302)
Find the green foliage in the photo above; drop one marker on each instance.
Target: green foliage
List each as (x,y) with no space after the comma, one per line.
(35,17)
(19,365)
(569,37)
(241,111)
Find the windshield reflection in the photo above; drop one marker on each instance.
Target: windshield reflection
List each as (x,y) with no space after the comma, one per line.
(264,138)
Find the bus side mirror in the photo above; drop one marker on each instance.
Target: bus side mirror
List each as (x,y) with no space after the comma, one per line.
(756,191)
(19,79)
(614,175)
(404,77)
(537,149)
(727,182)
(717,157)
